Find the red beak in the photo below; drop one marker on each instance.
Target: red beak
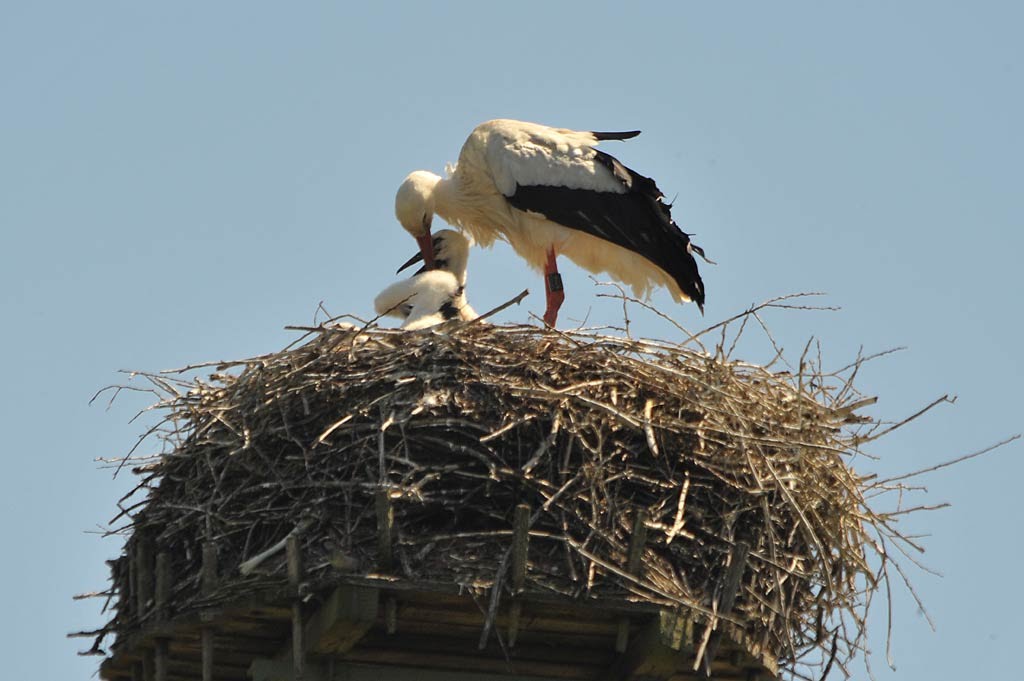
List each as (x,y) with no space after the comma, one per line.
(427,249)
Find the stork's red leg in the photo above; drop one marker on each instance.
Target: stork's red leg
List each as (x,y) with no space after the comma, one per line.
(553,289)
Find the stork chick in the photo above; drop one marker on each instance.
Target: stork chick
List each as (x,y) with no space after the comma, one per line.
(431,297)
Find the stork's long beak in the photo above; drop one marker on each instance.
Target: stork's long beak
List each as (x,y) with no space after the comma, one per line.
(426,243)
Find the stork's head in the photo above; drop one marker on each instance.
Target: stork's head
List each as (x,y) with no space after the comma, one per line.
(414,208)
(451,254)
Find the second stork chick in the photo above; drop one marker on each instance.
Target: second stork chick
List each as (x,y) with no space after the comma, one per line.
(431,297)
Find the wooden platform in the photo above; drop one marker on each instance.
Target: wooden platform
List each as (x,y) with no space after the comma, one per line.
(380,627)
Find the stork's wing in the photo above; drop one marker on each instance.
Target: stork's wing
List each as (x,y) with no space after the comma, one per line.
(595,193)
(526,154)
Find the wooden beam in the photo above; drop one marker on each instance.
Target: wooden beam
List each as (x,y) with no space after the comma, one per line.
(163,586)
(206,641)
(294,557)
(148,671)
(343,619)
(637,540)
(390,614)
(470,666)
(208,585)
(206,638)
(385,523)
(520,551)
(280,669)
(659,650)
(452,591)
(160,659)
(162,599)
(132,586)
(345,616)
(726,601)
(144,579)
(733,577)
(385,553)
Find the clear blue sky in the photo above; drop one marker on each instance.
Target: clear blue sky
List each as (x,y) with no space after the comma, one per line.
(178,183)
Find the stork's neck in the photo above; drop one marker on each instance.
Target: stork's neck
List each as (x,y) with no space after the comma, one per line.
(446,198)
(453,202)
(463,200)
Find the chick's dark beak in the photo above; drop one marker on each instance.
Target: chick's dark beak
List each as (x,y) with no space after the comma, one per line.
(411,261)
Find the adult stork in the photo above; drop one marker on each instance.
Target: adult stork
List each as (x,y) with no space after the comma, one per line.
(550,192)
(430,297)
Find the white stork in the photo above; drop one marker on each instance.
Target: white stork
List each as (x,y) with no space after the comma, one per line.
(550,192)
(430,297)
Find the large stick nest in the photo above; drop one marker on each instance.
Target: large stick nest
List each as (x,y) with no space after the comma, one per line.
(459,427)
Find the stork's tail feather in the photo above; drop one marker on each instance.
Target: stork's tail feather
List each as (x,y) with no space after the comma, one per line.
(696,293)
(602,136)
(687,277)
(694,248)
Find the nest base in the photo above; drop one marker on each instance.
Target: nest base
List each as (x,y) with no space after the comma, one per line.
(384,628)
(506,500)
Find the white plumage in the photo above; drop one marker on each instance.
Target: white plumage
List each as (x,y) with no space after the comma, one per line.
(550,192)
(431,297)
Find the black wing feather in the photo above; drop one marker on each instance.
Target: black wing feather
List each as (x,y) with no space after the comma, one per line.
(637,220)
